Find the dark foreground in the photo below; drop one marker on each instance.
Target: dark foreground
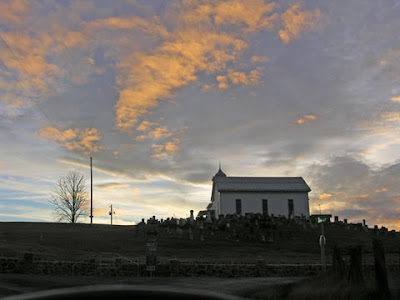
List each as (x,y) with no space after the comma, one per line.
(316,287)
(15,284)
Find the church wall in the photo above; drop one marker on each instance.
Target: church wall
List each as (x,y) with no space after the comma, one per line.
(252,203)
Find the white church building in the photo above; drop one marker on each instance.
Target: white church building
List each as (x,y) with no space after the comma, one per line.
(278,196)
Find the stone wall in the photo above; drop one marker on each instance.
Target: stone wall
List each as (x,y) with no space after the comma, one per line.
(28,265)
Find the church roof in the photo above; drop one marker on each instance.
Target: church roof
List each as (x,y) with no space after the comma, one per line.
(261,184)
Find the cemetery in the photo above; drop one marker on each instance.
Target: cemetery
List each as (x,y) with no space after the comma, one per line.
(232,246)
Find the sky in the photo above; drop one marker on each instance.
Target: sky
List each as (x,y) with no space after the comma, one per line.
(160,92)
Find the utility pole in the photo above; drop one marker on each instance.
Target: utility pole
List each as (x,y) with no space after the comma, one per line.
(91,192)
(111,212)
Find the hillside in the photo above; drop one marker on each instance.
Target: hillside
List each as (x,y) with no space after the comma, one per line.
(231,240)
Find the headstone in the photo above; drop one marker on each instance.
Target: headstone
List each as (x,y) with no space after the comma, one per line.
(208,219)
(151,262)
(336,219)
(345,221)
(363,222)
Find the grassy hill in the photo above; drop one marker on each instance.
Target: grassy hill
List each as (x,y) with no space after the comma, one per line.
(287,242)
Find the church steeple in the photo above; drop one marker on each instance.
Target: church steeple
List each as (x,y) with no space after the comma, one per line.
(219,173)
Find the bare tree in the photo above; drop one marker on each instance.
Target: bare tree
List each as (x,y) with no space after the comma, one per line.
(70,197)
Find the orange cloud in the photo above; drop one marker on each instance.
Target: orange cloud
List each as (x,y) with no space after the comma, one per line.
(160,132)
(237,77)
(13,13)
(324,196)
(145,126)
(364,196)
(382,190)
(305,119)
(199,39)
(173,65)
(253,78)
(140,137)
(166,150)
(26,56)
(262,59)
(102,211)
(395,99)
(111,186)
(252,15)
(222,82)
(206,87)
(85,140)
(295,21)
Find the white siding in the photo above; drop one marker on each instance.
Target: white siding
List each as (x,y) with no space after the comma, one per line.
(252,203)
(216,202)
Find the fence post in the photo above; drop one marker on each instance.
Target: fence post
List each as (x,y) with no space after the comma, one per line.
(380,270)
(355,275)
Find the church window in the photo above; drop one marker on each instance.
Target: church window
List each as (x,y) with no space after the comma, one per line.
(291,208)
(265,206)
(238,206)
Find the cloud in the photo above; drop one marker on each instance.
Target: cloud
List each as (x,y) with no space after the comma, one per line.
(262,59)
(383,133)
(357,188)
(166,150)
(160,132)
(222,82)
(140,137)
(295,21)
(206,87)
(27,74)
(305,119)
(111,186)
(324,196)
(86,140)
(200,39)
(108,169)
(239,78)
(145,126)
(14,13)
(395,99)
